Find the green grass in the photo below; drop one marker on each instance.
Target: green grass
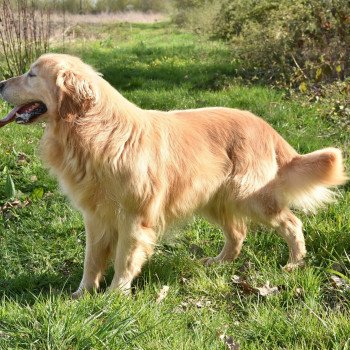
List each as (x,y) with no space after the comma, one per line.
(42,243)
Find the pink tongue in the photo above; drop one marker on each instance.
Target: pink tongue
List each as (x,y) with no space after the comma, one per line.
(10,117)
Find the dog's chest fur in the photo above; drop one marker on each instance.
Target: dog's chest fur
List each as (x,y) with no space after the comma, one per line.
(78,177)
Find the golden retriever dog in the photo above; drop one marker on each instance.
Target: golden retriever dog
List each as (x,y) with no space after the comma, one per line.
(133,172)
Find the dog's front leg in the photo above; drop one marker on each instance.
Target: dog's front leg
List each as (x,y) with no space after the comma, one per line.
(135,244)
(98,249)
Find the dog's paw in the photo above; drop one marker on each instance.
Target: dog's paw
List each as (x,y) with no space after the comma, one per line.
(78,293)
(121,286)
(119,290)
(208,261)
(293,266)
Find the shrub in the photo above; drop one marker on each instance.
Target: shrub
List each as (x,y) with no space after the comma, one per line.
(24,35)
(197,15)
(288,41)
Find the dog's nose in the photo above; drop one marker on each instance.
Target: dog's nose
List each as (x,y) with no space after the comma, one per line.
(2,85)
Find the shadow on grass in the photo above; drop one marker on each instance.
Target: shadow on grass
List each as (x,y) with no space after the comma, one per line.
(147,66)
(191,77)
(26,287)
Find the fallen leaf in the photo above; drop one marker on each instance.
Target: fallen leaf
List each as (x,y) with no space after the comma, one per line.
(183,280)
(299,292)
(199,304)
(162,294)
(339,283)
(16,203)
(267,289)
(228,341)
(247,288)
(22,158)
(182,307)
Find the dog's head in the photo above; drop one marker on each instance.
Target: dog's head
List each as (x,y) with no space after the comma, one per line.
(56,86)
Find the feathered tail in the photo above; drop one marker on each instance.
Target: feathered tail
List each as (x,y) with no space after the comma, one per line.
(303,182)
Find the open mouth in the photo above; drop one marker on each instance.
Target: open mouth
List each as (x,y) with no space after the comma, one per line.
(24,114)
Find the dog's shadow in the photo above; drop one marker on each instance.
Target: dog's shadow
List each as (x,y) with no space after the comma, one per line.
(164,269)
(27,287)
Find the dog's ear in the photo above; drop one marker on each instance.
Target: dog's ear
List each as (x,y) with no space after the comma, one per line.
(75,95)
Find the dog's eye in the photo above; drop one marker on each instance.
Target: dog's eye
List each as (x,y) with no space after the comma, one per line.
(30,74)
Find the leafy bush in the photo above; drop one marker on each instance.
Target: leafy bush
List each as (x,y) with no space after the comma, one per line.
(197,15)
(289,41)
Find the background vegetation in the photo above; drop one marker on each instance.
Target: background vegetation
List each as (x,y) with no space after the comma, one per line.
(97,6)
(301,46)
(249,304)
(293,41)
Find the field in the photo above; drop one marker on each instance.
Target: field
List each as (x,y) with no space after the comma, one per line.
(219,307)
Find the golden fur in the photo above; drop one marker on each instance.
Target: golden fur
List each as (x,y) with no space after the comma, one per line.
(132,172)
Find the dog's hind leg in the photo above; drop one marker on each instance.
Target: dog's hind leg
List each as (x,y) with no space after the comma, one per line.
(97,252)
(234,236)
(289,227)
(135,244)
